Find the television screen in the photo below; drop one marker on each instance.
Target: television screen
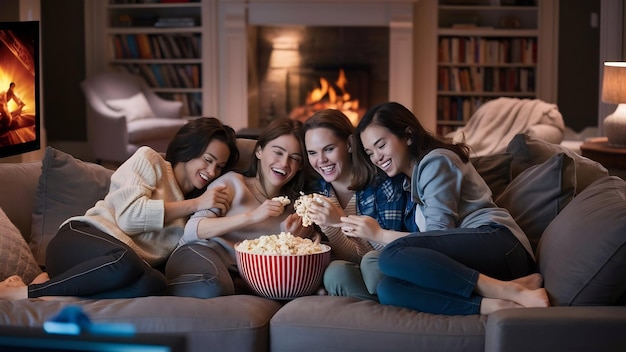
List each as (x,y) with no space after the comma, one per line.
(19,88)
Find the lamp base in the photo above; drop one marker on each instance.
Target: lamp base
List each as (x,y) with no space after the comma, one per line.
(615,127)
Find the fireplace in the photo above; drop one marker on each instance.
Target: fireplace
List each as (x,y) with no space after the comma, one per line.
(297,70)
(246,95)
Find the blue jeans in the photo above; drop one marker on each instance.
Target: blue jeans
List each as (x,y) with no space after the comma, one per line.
(436,271)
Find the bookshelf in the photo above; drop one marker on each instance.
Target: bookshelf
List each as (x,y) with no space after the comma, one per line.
(484,49)
(163,41)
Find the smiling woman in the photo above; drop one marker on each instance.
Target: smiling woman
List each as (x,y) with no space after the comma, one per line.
(205,264)
(138,224)
(329,145)
(470,255)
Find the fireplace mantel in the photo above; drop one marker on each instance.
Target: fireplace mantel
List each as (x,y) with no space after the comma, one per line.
(236,16)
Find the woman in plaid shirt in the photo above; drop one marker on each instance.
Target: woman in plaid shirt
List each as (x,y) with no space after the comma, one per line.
(328,140)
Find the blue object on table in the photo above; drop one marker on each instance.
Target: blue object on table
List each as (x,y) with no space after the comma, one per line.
(71,320)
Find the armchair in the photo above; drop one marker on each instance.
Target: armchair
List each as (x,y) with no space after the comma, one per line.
(125,114)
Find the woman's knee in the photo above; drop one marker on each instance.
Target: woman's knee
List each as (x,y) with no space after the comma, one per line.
(337,274)
(197,271)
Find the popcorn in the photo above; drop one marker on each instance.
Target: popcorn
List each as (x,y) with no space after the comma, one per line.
(302,205)
(283,243)
(283,200)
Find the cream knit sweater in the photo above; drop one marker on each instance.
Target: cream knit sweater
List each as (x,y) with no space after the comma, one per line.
(133,209)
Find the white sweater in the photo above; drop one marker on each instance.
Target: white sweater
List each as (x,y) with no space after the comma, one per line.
(133,210)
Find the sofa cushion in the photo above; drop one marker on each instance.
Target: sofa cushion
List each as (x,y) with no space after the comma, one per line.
(582,253)
(529,151)
(332,323)
(18,184)
(226,324)
(15,256)
(538,194)
(134,108)
(495,169)
(67,187)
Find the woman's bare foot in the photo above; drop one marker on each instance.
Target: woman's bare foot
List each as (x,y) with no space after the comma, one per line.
(490,305)
(513,291)
(41,278)
(531,282)
(13,288)
(533,298)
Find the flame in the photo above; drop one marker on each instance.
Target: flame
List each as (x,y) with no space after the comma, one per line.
(336,100)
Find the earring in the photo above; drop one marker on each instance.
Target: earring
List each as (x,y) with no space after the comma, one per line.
(349,149)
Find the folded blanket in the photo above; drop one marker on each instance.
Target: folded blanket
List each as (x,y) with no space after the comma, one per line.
(497,121)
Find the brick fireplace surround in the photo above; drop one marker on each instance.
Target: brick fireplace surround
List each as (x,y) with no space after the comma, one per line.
(236,16)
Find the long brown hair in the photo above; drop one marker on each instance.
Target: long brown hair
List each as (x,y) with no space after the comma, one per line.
(279,127)
(194,137)
(401,122)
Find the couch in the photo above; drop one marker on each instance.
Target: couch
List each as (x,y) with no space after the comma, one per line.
(571,209)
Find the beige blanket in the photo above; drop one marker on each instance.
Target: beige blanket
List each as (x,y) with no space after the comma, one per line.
(497,121)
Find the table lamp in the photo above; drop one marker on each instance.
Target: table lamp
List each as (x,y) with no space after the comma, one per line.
(614,92)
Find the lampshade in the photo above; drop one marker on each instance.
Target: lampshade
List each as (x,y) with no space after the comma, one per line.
(614,83)
(614,92)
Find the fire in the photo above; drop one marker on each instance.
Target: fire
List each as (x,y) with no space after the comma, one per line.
(327,97)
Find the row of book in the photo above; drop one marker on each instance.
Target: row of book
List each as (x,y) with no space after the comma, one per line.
(478,50)
(192,102)
(166,75)
(156,46)
(116,2)
(485,79)
(458,108)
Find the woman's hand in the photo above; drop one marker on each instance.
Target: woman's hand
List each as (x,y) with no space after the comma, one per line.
(324,212)
(362,226)
(293,224)
(216,198)
(269,208)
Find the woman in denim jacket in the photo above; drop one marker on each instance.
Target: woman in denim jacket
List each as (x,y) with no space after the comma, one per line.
(470,256)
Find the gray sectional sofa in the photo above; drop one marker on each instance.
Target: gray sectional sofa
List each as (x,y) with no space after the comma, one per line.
(570,208)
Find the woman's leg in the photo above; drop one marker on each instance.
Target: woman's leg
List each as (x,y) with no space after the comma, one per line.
(196,270)
(448,263)
(151,283)
(371,271)
(84,261)
(344,278)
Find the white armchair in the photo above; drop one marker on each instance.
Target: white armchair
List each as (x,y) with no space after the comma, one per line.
(125,114)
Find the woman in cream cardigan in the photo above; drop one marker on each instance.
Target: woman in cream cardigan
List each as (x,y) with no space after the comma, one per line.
(110,251)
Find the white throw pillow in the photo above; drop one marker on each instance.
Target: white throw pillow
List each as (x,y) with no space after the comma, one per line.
(135,107)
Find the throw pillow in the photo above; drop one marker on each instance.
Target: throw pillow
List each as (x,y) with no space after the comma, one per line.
(135,107)
(15,256)
(529,151)
(67,187)
(495,169)
(582,254)
(538,194)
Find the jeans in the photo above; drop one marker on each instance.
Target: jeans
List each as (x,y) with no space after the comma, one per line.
(83,261)
(344,278)
(199,270)
(436,271)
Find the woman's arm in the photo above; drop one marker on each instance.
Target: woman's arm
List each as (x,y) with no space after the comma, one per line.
(217,198)
(209,227)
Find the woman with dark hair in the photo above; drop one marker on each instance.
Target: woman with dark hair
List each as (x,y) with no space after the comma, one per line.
(111,251)
(470,256)
(204,265)
(328,140)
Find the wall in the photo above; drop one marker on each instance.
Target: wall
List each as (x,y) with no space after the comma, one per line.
(64,106)
(63,64)
(578,78)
